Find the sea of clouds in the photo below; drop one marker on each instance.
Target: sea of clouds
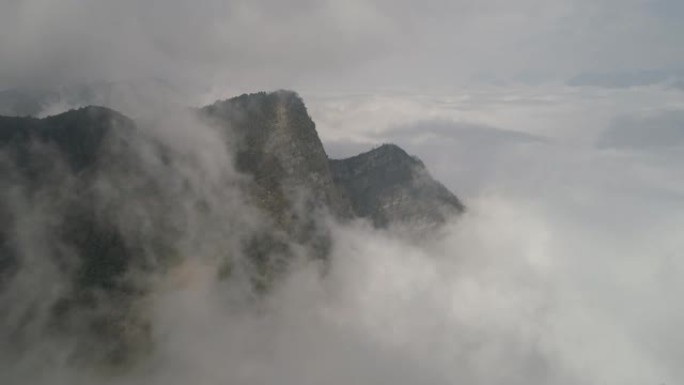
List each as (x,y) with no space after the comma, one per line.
(565,269)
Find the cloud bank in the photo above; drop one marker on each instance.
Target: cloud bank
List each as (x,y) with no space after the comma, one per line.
(565,269)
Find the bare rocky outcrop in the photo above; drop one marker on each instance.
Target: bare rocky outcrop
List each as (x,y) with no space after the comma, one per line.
(390,187)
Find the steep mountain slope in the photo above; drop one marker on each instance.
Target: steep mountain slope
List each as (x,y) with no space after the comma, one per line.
(276,142)
(94,207)
(391,187)
(62,251)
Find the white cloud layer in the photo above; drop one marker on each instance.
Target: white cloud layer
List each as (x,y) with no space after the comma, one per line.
(566,268)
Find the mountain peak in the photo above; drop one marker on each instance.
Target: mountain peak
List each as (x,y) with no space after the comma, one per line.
(386,153)
(122,210)
(389,186)
(257,101)
(78,134)
(275,141)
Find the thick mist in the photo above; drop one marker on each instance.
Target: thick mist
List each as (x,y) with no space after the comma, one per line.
(558,123)
(563,270)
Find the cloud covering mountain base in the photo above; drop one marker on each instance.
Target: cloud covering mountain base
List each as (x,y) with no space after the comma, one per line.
(503,297)
(564,270)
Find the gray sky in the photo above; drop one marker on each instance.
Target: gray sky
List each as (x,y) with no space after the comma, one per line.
(334,45)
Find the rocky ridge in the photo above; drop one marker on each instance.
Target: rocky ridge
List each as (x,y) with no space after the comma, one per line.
(105,208)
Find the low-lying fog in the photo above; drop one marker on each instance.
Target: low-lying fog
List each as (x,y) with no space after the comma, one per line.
(565,269)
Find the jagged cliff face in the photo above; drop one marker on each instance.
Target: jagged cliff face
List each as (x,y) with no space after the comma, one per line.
(275,141)
(99,203)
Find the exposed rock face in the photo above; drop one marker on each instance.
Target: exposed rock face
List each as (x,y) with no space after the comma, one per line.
(391,187)
(101,207)
(276,142)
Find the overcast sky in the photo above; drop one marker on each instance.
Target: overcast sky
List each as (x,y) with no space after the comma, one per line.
(335,45)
